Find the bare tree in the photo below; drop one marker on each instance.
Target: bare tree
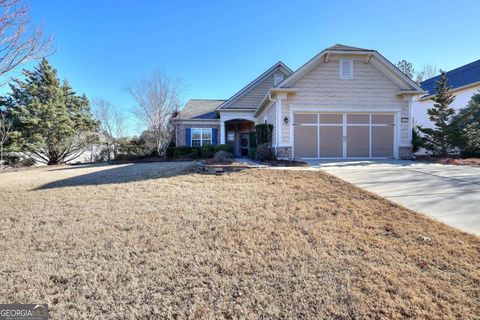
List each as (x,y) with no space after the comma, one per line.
(19,42)
(112,123)
(5,131)
(157,99)
(429,71)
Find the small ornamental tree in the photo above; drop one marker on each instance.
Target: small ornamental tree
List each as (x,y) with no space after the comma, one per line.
(264,133)
(438,140)
(50,120)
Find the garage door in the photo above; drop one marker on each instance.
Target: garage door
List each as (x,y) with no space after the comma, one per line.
(343,135)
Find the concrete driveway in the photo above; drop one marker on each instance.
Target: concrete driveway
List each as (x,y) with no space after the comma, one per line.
(447,193)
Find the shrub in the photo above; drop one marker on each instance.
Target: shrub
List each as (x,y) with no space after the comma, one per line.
(128,157)
(253,140)
(27,162)
(264,152)
(207,151)
(252,153)
(224,147)
(11,160)
(223,155)
(264,133)
(417,141)
(186,152)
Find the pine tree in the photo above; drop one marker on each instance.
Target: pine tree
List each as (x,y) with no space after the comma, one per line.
(467,127)
(438,140)
(52,122)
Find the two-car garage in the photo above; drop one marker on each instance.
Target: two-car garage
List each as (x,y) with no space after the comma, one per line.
(343,135)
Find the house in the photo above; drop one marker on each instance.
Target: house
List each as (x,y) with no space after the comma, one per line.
(344,103)
(464,82)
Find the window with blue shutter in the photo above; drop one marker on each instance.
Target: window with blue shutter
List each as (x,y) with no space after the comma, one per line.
(214,136)
(188,137)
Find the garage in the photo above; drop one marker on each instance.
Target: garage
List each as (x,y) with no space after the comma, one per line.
(343,135)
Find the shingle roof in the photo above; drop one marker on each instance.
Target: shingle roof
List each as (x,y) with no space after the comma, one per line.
(342,47)
(200,109)
(467,74)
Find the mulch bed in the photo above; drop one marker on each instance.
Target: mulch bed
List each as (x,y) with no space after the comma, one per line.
(284,163)
(451,160)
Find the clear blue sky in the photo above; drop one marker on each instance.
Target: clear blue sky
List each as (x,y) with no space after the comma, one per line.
(216,47)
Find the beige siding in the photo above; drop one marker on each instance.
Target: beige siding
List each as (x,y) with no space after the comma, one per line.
(253,98)
(321,87)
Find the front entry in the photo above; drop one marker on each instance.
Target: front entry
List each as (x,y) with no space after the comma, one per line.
(244,143)
(343,135)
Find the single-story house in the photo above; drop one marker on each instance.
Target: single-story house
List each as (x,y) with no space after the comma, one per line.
(464,82)
(344,103)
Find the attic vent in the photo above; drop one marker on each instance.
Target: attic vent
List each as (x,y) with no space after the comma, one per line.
(277,78)
(346,69)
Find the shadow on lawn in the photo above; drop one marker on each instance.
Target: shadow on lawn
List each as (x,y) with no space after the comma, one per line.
(112,174)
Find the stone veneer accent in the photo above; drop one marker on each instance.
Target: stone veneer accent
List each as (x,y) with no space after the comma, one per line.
(181,131)
(284,152)
(405,153)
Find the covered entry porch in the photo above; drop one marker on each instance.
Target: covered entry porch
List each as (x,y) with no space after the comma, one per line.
(237,133)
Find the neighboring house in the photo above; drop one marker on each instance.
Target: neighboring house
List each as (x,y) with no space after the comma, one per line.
(464,82)
(345,102)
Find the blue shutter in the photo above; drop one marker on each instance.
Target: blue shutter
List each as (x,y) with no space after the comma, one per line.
(188,137)
(214,136)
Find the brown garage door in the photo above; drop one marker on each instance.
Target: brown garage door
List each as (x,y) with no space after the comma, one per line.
(352,135)
(305,135)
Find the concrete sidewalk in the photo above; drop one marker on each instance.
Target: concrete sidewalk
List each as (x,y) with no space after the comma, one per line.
(448,193)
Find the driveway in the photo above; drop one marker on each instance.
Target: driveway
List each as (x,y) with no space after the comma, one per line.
(447,193)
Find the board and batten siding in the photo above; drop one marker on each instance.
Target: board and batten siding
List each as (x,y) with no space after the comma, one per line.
(321,87)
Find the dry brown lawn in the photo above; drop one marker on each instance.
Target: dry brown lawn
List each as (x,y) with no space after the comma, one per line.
(156,240)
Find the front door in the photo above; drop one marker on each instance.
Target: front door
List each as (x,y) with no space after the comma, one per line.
(244,142)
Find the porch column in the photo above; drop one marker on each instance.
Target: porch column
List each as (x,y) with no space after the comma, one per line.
(222,132)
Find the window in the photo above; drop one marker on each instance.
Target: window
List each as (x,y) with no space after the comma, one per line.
(346,69)
(201,136)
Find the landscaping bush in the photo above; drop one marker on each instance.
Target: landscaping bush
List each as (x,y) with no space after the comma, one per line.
(27,162)
(253,140)
(252,153)
(128,157)
(223,156)
(11,160)
(207,151)
(264,152)
(263,133)
(224,147)
(186,152)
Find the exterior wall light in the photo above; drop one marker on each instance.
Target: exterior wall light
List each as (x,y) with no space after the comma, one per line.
(285,120)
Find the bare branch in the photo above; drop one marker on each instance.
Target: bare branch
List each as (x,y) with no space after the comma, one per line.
(157,97)
(19,42)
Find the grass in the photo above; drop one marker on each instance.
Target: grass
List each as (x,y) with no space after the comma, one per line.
(159,241)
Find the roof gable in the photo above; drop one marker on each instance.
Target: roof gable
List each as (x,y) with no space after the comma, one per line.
(252,94)
(456,78)
(370,56)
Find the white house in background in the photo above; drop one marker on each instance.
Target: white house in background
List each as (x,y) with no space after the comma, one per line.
(344,103)
(463,81)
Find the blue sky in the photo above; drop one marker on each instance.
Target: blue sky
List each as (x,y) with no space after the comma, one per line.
(216,47)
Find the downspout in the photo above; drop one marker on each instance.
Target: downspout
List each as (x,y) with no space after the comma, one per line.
(277,132)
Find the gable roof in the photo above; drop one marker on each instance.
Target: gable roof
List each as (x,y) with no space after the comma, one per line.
(279,65)
(389,69)
(200,109)
(456,78)
(342,47)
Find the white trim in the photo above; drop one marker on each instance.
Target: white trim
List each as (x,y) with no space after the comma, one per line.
(341,76)
(278,132)
(313,108)
(216,123)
